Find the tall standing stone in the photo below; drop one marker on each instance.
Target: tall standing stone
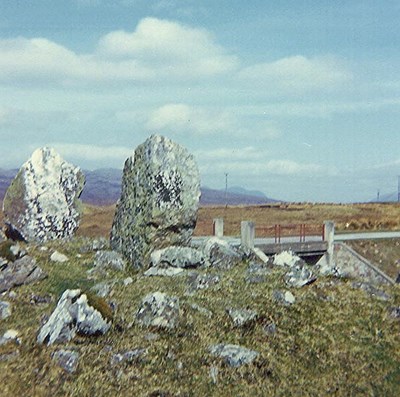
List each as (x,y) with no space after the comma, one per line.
(42,203)
(159,200)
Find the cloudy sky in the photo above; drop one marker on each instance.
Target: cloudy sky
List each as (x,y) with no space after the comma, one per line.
(297,98)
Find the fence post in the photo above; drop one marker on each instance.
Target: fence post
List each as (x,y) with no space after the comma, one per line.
(329,234)
(218,227)
(247,233)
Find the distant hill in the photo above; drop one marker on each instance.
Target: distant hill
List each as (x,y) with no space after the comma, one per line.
(103,187)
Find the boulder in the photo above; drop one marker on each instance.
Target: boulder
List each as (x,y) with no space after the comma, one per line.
(234,355)
(22,271)
(159,200)
(182,257)
(74,315)
(299,276)
(42,202)
(220,254)
(287,259)
(158,310)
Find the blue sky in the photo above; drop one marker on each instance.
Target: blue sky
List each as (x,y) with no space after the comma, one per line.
(299,99)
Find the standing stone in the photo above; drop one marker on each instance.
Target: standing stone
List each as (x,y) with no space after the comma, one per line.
(42,202)
(159,200)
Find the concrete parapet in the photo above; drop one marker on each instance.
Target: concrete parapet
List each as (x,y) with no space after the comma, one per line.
(218,227)
(247,233)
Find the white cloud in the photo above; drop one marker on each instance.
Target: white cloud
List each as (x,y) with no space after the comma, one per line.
(297,73)
(246,154)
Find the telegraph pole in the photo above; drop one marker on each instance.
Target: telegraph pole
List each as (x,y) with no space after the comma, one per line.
(226,189)
(377,195)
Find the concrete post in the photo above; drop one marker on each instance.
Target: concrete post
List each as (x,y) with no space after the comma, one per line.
(218,227)
(247,231)
(329,233)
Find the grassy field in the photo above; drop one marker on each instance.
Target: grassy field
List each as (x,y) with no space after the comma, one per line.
(334,340)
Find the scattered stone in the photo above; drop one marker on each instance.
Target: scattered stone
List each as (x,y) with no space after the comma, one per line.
(22,271)
(58,257)
(234,355)
(299,276)
(40,300)
(182,257)
(395,312)
(158,310)
(109,260)
(159,200)
(150,336)
(128,281)
(5,310)
(284,297)
(128,357)
(103,288)
(44,248)
(242,317)
(42,202)
(88,245)
(202,310)
(214,374)
(10,335)
(270,329)
(220,254)
(73,315)
(371,290)
(198,281)
(164,271)
(287,259)
(17,251)
(68,360)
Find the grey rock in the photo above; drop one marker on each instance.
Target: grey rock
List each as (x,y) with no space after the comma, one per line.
(285,298)
(58,257)
(159,200)
(127,357)
(42,202)
(234,355)
(88,245)
(175,256)
(103,288)
(109,260)
(257,272)
(127,281)
(220,254)
(68,360)
(198,281)
(166,271)
(371,290)
(395,312)
(270,329)
(73,315)
(214,374)
(22,271)
(10,335)
(202,310)
(299,276)
(242,317)
(5,310)
(17,251)
(158,310)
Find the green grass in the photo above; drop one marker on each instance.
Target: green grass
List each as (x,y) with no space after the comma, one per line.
(335,340)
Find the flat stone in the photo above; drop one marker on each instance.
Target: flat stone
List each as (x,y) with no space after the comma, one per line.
(68,360)
(242,317)
(287,259)
(234,355)
(164,271)
(127,357)
(220,254)
(159,200)
(42,202)
(175,256)
(299,276)
(158,310)
(22,271)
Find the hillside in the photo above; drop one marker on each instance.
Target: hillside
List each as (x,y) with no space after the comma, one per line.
(103,187)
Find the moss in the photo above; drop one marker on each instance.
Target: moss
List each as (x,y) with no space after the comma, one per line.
(13,203)
(100,305)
